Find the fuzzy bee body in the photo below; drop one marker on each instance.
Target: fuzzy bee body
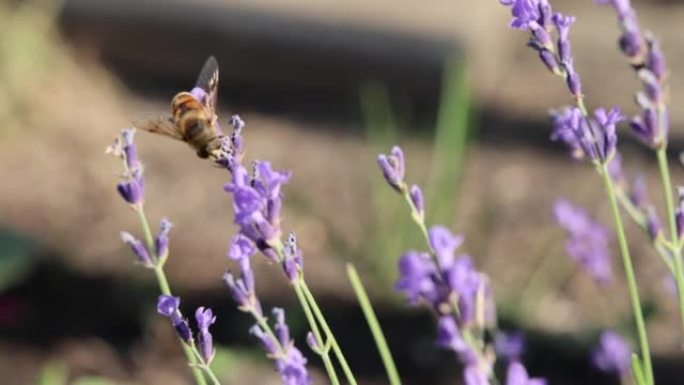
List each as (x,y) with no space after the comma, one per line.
(193,120)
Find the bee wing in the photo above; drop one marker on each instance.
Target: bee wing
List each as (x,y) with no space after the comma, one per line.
(163,125)
(208,81)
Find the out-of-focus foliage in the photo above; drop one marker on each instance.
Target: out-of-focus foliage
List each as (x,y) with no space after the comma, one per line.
(450,138)
(27,43)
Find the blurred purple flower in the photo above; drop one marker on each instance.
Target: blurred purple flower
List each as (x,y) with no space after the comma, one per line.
(463,280)
(449,337)
(257,201)
(242,289)
(289,361)
(168,306)
(393,169)
(161,241)
(653,225)
(417,276)
(587,241)
(510,345)
(205,318)
(444,243)
(594,138)
(138,249)
(563,24)
(474,375)
(417,200)
(293,262)
(240,247)
(526,13)
(517,375)
(269,343)
(613,354)
(129,149)
(131,186)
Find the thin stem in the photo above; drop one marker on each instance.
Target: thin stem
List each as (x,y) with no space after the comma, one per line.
(374,325)
(166,290)
(329,334)
(676,247)
(629,273)
(325,351)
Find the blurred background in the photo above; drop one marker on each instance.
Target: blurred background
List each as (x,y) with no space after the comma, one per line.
(323,87)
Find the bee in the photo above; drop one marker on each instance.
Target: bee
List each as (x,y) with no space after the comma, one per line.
(193,115)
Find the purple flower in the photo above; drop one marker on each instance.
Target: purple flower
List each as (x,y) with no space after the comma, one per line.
(510,345)
(517,375)
(566,128)
(613,354)
(311,341)
(653,225)
(292,367)
(418,276)
(474,375)
(242,289)
(587,241)
(132,187)
(240,248)
(655,61)
(257,201)
(526,13)
(129,150)
(572,78)
(138,249)
(269,343)
(205,318)
(444,243)
(168,306)
(289,361)
(594,138)
(563,24)
(417,200)
(161,241)
(392,167)
(463,280)
(449,337)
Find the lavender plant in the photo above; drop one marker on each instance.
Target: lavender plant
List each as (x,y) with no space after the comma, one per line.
(593,137)
(459,296)
(153,253)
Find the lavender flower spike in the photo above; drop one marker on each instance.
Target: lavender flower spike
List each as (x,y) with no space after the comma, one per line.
(393,169)
(289,361)
(205,318)
(613,354)
(168,306)
(587,241)
(138,249)
(131,186)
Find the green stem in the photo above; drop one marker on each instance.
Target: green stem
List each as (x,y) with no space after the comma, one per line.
(324,350)
(629,273)
(329,334)
(166,290)
(676,247)
(374,325)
